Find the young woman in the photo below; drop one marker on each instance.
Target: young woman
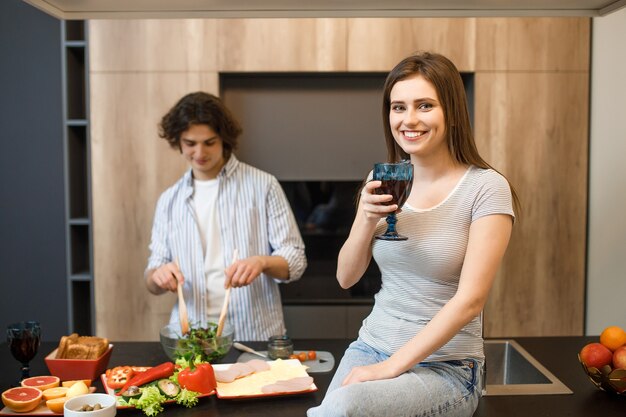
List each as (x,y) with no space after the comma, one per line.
(420,351)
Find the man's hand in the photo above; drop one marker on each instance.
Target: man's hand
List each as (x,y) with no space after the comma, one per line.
(243,272)
(167,277)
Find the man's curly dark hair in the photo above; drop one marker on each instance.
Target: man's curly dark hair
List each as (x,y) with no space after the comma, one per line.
(200,108)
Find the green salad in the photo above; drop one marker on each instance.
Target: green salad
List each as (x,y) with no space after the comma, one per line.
(201,343)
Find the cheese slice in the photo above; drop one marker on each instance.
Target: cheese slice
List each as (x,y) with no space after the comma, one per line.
(252,384)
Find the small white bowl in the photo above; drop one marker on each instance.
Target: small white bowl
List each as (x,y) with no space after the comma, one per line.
(108,403)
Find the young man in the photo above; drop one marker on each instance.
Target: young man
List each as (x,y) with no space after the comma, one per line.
(220,207)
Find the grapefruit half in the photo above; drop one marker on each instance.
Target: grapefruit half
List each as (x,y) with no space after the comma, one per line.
(22,399)
(41,382)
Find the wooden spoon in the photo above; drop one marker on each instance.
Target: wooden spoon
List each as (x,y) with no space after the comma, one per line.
(182,307)
(220,323)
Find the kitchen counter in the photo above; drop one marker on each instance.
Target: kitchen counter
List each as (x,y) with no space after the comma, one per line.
(558,354)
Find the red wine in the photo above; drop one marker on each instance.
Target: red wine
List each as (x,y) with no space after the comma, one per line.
(399,189)
(25,348)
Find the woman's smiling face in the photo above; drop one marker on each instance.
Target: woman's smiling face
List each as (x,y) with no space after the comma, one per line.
(416,117)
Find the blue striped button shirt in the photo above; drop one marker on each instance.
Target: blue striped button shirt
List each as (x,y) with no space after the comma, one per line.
(254,217)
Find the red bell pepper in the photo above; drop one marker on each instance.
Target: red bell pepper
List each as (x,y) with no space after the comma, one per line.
(118,376)
(201,379)
(165,370)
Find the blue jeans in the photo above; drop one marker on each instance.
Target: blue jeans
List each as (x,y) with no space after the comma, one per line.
(450,388)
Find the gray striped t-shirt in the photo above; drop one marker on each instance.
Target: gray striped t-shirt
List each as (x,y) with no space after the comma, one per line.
(421,274)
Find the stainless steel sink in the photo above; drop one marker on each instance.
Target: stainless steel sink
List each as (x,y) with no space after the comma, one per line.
(511,370)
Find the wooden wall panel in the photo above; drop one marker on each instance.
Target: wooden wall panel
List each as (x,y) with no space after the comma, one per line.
(533,128)
(282,45)
(131,167)
(379,44)
(533,44)
(153,45)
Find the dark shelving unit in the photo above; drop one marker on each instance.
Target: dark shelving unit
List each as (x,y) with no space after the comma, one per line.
(81,314)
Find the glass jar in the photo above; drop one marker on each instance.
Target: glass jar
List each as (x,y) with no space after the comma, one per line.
(279,347)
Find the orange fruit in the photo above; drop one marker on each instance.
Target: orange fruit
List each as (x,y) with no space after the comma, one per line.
(56,405)
(42,382)
(56,392)
(72,382)
(22,399)
(613,337)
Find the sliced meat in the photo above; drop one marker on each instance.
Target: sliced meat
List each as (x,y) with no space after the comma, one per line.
(236,370)
(259,365)
(301,383)
(243,368)
(225,376)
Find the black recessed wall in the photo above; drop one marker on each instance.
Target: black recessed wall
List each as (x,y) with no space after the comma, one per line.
(33,284)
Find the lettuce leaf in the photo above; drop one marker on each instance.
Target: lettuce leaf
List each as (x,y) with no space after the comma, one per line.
(150,402)
(187,398)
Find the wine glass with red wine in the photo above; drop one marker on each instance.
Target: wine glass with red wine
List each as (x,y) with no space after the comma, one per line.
(397,180)
(23,339)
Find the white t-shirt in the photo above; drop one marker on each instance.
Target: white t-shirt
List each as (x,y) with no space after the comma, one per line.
(204,201)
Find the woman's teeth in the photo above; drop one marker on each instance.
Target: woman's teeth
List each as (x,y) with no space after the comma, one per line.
(413,134)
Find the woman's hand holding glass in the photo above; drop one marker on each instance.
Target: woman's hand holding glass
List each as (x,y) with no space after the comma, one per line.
(373,205)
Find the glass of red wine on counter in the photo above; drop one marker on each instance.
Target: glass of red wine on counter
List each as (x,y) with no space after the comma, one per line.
(397,180)
(23,339)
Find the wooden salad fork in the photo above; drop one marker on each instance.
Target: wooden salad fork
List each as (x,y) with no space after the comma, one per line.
(220,323)
(182,307)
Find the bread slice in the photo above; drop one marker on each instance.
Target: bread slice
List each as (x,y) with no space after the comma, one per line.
(81,347)
(97,346)
(77,351)
(64,344)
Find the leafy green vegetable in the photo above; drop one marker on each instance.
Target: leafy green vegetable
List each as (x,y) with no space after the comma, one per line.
(200,342)
(185,363)
(150,402)
(187,398)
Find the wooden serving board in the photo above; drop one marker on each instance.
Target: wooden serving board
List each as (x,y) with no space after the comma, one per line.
(41,409)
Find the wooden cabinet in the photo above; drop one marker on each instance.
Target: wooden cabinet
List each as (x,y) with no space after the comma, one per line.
(379,44)
(531,122)
(537,44)
(154,45)
(543,150)
(263,45)
(131,167)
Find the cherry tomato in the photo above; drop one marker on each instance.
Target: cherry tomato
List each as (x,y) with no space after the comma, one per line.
(302,356)
(293,356)
(312,355)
